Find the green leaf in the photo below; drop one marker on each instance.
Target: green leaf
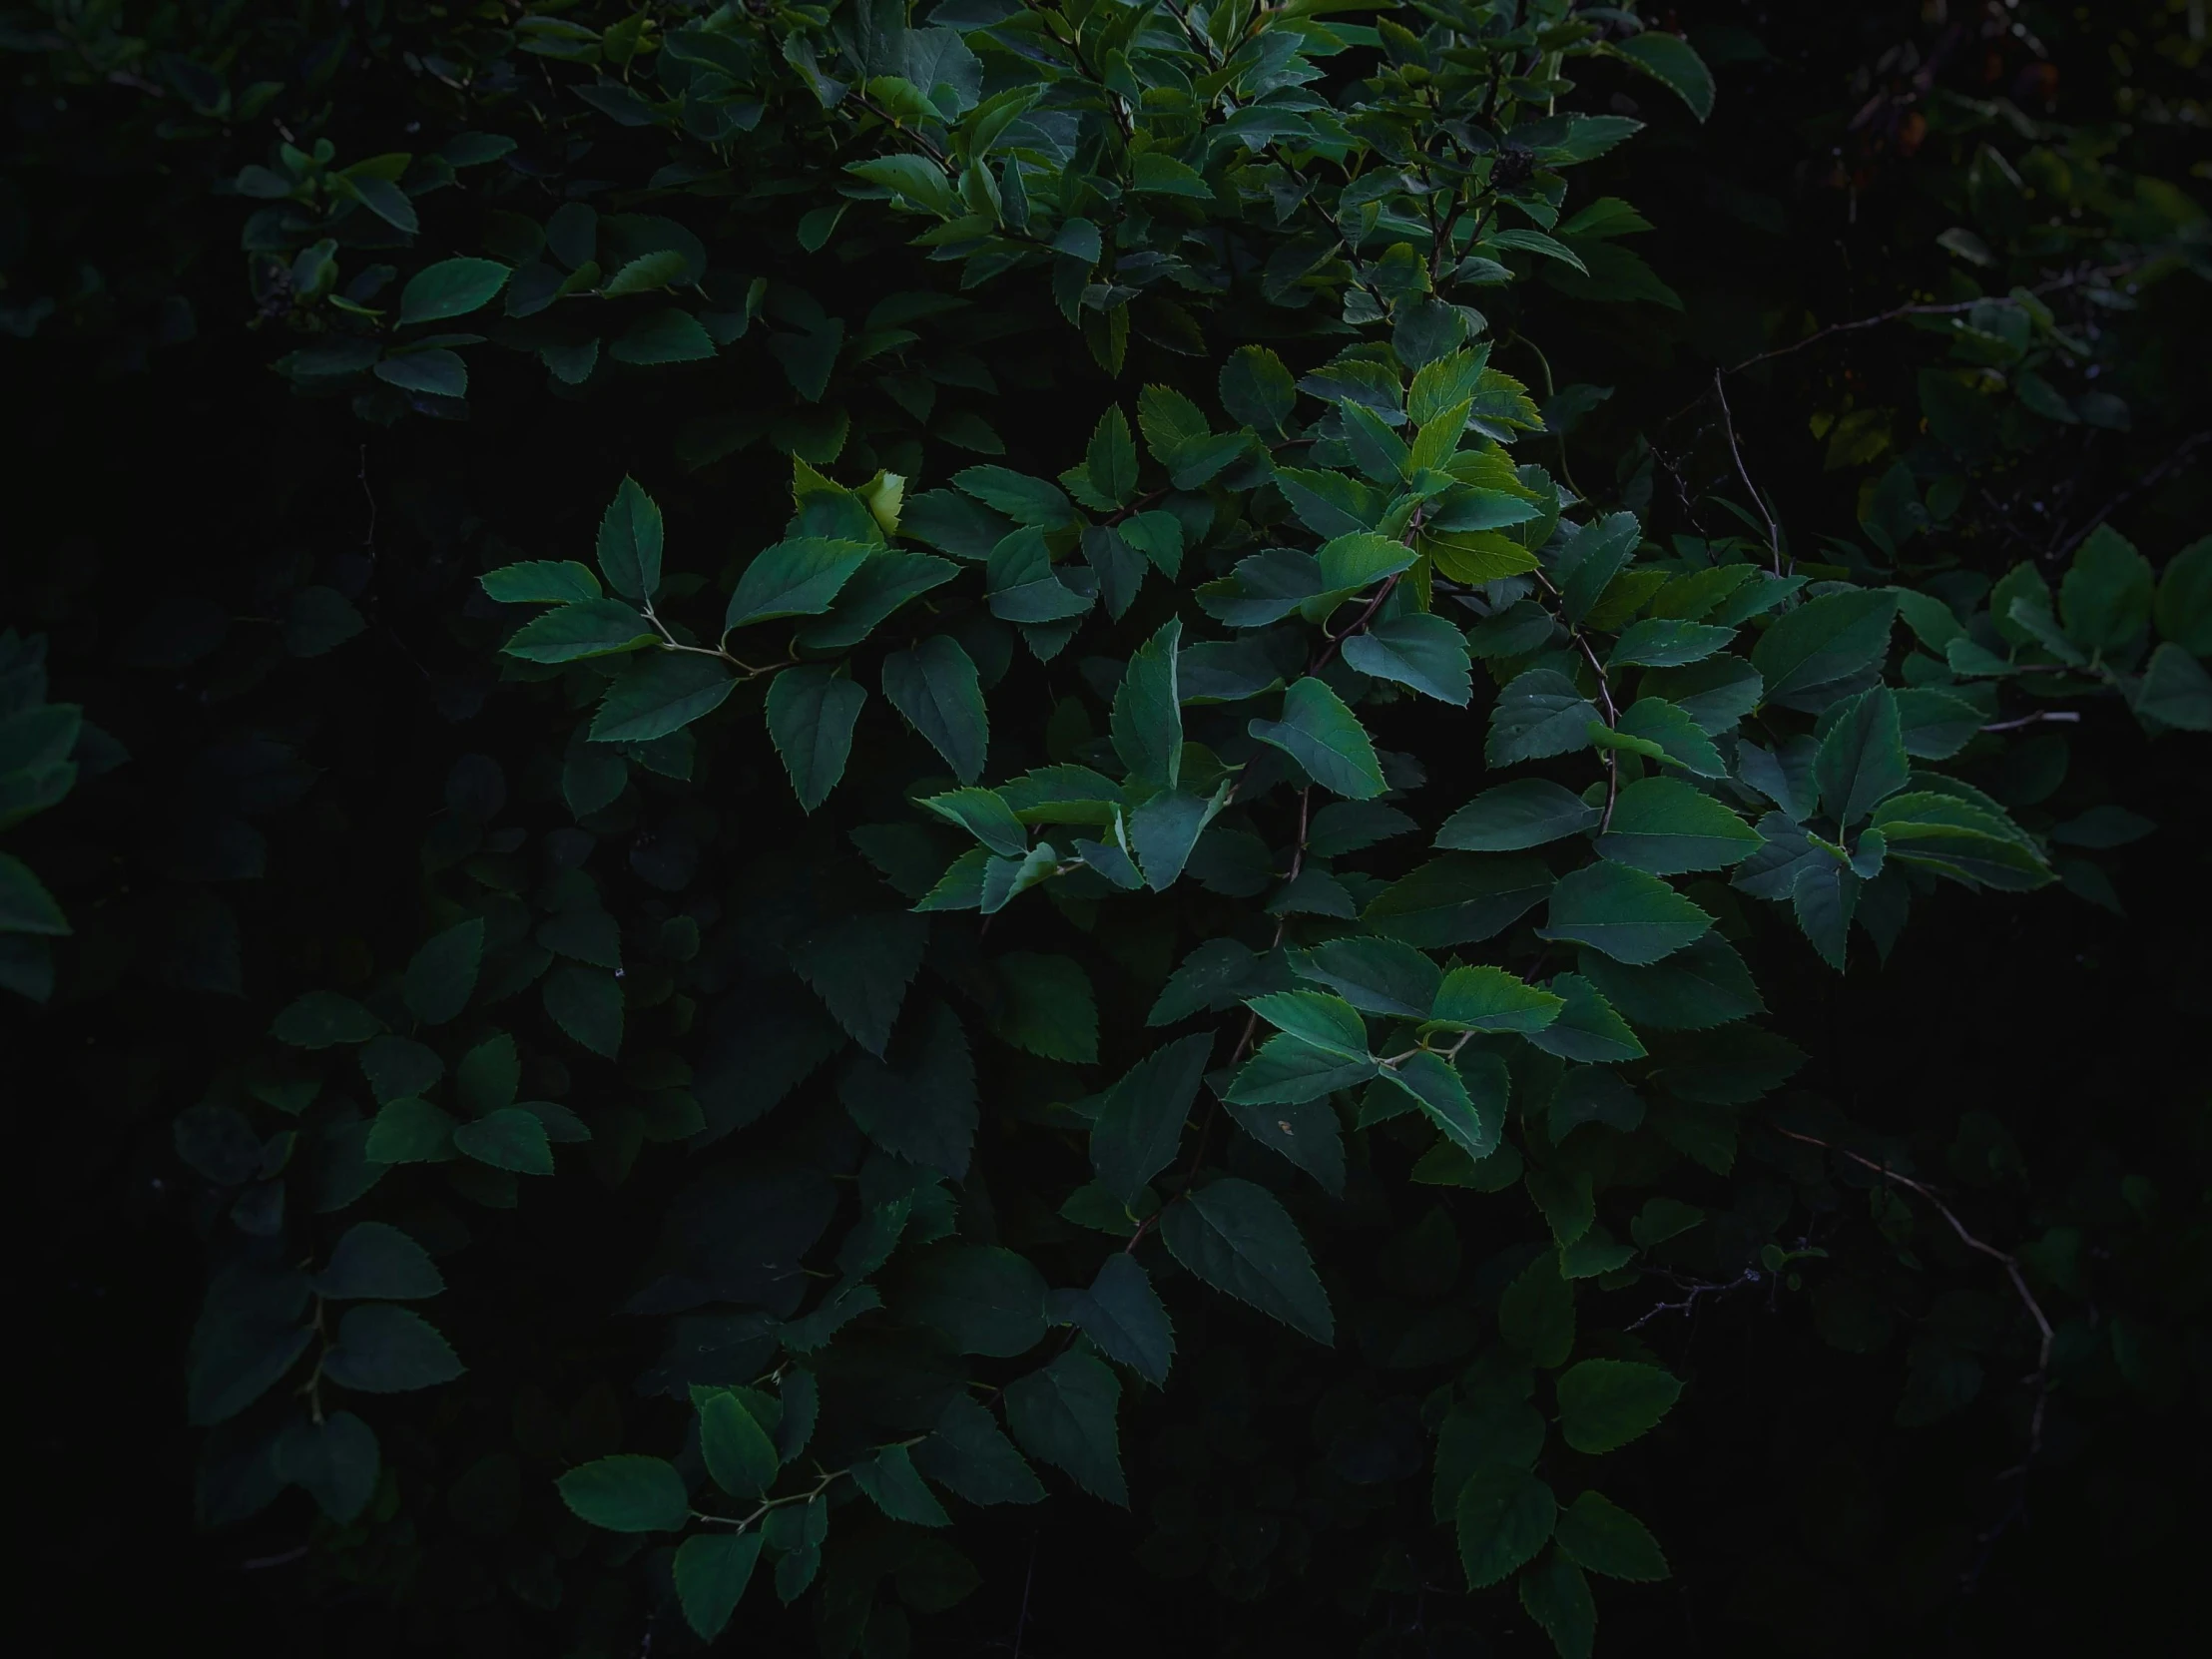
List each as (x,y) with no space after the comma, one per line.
(2106,597)
(935,686)
(799,577)
(1417,649)
(1289,1070)
(890,1480)
(1663,825)
(1553,1592)
(970,1457)
(737,1450)
(1504,1517)
(1327,1022)
(1141,1121)
(712,1571)
(251,1330)
(1674,63)
(436,373)
(511,1138)
(659,694)
(1111,461)
(1123,1315)
(1631,916)
(375,1260)
(861,967)
(1147,722)
(541,582)
(880,588)
(1445,1100)
(667,336)
(1587,1027)
(2176,691)
(1605,1403)
(1045,1007)
(2184,605)
(452,287)
(1535,1314)
(630,538)
(1538,714)
(1823,640)
(1957,838)
(443,973)
(589,628)
(1064,1414)
(1257,389)
(384,1350)
(1935,725)
(1660,642)
(1325,739)
(1239,1239)
(1676,732)
(645,274)
(810,711)
(627,1493)
(979,1299)
(1166,828)
(586,1002)
(27,907)
(324,1019)
(1702,985)
(1487,998)
(1528,812)
(410,1131)
(984,814)
(920,1105)
(1459,899)
(1861,759)
(334,1461)
(1600,1537)
(1376,977)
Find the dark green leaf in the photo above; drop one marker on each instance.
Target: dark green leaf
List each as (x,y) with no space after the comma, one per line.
(800,577)
(1141,1121)
(1239,1239)
(627,1493)
(334,1461)
(374,1259)
(890,1480)
(1147,720)
(1459,898)
(452,287)
(1553,1592)
(1045,1007)
(385,1350)
(1605,1403)
(443,973)
(980,1299)
(1823,640)
(712,1571)
(1417,650)
(1702,985)
(1663,825)
(860,969)
(586,1002)
(969,1456)
(1538,714)
(630,541)
(1674,63)
(1064,1414)
(1325,739)
(811,711)
(1487,998)
(921,1105)
(934,684)
(1528,812)
(1861,759)
(737,1450)
(1631,916)
(589,628)
(1376,977)
(1587,1027)
(324,1019)
(663,691)
(1504,1517)
(511,1138)
(1122,1314)
(1600,1537)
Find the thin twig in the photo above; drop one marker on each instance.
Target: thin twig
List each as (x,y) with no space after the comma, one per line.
(2157,474)
(1728,423)
(2060,715)
(1696,1287)
(2011,1264)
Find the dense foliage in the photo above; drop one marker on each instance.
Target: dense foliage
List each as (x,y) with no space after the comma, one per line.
(872,764)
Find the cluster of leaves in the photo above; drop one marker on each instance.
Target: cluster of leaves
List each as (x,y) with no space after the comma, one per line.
(1191,652)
